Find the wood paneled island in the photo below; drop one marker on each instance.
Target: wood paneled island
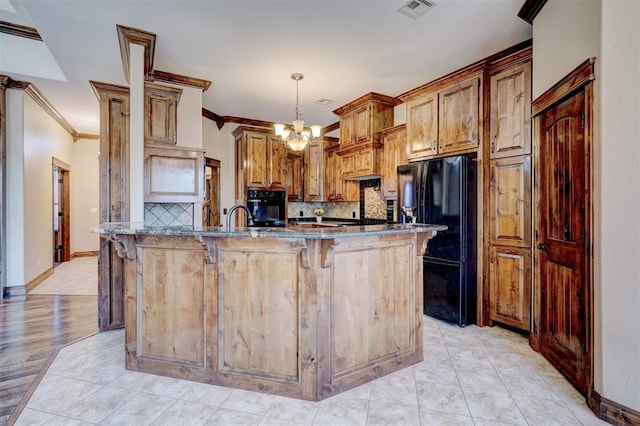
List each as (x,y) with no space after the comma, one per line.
(298,312)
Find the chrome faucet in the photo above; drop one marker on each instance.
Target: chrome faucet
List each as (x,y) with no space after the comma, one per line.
(234,208)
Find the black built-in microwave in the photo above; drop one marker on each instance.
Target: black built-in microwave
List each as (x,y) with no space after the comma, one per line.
(268,207)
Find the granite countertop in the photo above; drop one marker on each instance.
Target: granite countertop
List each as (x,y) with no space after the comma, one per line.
(291,232)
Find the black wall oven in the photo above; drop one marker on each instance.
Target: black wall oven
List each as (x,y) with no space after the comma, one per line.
(268,207)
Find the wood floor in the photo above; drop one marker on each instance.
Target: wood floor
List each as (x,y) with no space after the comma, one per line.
(30,331)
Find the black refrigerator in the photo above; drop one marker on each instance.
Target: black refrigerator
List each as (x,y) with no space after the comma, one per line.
(442,191)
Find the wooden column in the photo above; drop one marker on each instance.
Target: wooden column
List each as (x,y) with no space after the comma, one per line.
(114,197)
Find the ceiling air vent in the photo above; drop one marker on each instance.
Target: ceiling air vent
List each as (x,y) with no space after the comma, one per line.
(416,8)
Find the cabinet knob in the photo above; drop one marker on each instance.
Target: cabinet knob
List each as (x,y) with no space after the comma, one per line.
(543,246)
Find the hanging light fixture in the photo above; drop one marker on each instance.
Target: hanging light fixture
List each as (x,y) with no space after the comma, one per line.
(297,139)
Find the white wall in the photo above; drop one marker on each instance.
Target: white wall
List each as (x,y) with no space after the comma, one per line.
(565,33)
(189,118)
(85,175)
(44,139)
(619,228)
(219,144)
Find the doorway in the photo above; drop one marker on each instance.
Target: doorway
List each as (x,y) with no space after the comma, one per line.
(562,145)
(61,212)
(211,203)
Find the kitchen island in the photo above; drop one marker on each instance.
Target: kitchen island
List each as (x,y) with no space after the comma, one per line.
(298,312)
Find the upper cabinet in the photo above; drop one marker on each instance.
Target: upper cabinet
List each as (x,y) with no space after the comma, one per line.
(394,154)
(260,158)
(360,121)
(294,182)
(511,111)
(313,172)
(173,175)
(335,187)
(444,120)
(161,114)
(362,118)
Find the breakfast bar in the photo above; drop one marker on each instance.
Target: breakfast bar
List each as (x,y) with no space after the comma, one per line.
(293,311)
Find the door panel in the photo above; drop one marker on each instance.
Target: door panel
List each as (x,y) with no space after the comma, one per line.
(561,245)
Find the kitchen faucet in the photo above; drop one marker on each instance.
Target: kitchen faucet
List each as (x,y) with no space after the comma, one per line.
(234,208)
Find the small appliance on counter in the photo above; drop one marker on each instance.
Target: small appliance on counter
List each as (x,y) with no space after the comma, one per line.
(267,207)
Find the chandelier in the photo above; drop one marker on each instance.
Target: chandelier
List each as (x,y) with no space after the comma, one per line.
(297,139)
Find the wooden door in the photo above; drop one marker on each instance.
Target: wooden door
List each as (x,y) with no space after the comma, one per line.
(422,127)
(511,112)
(61,213)
(458,117)
(562,238)
(211,203)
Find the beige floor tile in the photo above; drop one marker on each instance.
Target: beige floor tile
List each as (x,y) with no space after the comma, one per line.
(443,398)
(76,277)
(545,412)
(31,417)
(384,414)
(185,413)
(249,402)
(437,418)
(495,406)
(100,404)
(58,400)
(142,409)
(340,410)
(294,410)
(224,416)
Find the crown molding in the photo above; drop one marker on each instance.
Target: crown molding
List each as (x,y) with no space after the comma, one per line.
(19,30)
(221,120)
(128,35)
(182,80)
(530,10)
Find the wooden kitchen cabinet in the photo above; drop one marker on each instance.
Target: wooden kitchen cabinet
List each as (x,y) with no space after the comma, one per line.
(445,121)
(336,188)
(511,111)
(393,154)
(262,159)
(161,114)
(294,182)
(510,286)
(173,175)
(510,202)
(361,162)
(362,118)
(313,172)
(422,127)
(458,117)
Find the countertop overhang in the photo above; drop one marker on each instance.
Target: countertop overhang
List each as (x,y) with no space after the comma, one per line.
(136,228)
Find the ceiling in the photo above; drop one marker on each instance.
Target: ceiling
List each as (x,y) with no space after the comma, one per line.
(249,48)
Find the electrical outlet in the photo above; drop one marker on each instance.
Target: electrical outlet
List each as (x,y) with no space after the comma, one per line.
(301,213)
(353,215)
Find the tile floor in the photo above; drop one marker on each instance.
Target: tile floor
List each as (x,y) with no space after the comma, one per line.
(78,277)
(470,376)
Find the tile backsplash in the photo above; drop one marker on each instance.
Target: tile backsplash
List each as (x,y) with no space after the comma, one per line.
(168,214)
(341,210)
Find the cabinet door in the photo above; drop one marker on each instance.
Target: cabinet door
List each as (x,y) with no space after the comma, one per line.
(256,164)
(393,155)
(458,117)
(422,127)
(330,157)
(511,112)
(510,287)
(346,129)
(241,180)
(510,202)
(362,124)
(294,177)
(161,114)
(313,173)
(276,162)
(366,161)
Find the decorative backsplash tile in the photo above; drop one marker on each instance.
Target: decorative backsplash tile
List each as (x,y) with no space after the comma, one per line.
(374,206)
(168,214)
(341,210)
